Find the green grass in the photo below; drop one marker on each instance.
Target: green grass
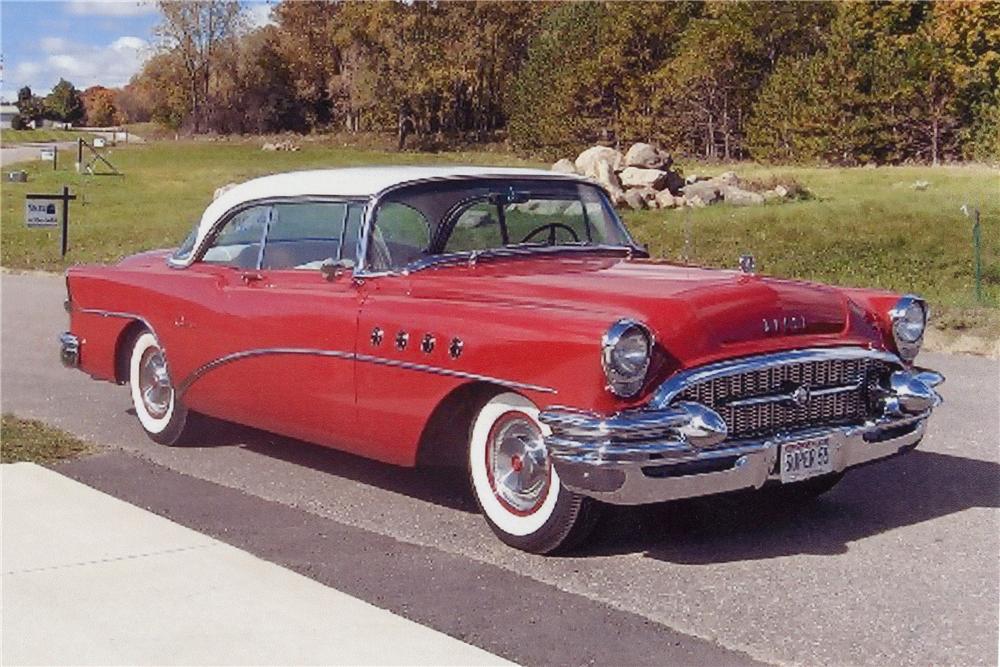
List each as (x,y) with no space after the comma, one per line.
(863,227)
(8,137)
(30,440)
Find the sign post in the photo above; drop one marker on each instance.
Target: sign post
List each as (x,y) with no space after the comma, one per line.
(43,211)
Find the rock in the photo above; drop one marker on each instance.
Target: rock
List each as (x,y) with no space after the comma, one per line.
(695,201)
(617,196)
(586,163)
(666,200)
(727,179)
(920,185)
(647,156)
(222,190)
(564,166)
(781,191)
(635,200)
(770,195)
(649,194)
(674,182)
(605,175)
(635,177)
(708,192)
(740,197)
(269,147)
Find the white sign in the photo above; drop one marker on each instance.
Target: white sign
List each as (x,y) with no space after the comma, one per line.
(41,212)
(99,142)
(49,153)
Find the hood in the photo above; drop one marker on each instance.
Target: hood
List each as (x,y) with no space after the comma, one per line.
(695,313)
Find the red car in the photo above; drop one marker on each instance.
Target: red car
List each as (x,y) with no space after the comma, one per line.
(505,321)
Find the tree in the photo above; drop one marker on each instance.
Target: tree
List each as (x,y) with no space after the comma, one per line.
(64,102)
(196,30)
(30,107)
(99,106)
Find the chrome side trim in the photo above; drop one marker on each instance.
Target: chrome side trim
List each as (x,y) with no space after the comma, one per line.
(365,358)
(681,381)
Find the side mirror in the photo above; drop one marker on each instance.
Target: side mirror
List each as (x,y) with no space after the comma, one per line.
(334,268)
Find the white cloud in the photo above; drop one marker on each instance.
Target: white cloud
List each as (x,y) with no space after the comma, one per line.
(85,65)
(111,7)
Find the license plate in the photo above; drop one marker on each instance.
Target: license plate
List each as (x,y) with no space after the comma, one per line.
(805,459)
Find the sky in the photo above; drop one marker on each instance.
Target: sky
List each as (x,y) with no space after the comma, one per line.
(87,42)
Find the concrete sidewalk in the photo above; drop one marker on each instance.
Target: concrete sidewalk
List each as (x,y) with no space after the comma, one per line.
(89,579)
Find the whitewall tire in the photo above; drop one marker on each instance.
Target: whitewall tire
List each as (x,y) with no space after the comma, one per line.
(162,416)
(515,485)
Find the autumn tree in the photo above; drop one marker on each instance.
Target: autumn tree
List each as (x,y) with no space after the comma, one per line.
(196,30)
(99,105)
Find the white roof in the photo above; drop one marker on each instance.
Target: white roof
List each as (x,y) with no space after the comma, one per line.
(359,182)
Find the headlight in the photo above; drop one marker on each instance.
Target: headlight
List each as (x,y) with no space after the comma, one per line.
(909,319)
(625,354)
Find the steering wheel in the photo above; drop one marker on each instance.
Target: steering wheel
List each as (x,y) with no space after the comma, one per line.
(552,227)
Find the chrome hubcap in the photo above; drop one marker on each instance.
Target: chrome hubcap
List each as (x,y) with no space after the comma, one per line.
(154,383)
(518,463)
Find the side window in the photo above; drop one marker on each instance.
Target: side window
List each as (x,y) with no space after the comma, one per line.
(400,235)
(477,228)
(303,235)
(238,243)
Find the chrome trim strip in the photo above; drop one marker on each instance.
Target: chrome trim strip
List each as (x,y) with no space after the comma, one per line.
(789,397)
(366,358)
(681,381)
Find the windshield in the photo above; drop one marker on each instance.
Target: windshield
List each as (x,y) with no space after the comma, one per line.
(422,222)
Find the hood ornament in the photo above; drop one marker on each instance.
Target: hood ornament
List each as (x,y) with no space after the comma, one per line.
(748,264)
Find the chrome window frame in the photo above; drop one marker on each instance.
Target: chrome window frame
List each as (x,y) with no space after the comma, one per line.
(198,252)
(361,269)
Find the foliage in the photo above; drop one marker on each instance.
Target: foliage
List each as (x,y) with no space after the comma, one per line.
(30,106)
(844,83)
(64,103)
(17,122)
(100,106)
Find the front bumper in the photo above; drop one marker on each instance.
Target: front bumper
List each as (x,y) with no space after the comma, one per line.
(69,350)
(668,453)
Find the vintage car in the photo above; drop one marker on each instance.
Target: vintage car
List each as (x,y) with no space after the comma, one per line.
(502,320)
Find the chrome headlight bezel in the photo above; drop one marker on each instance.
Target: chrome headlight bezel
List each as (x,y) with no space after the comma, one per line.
(907,337)
(622,381)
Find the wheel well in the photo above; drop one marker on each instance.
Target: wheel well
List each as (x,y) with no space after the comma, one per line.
(446,435)
(123,349)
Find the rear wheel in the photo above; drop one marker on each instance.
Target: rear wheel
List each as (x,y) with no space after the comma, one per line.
(162,416)
(516,485)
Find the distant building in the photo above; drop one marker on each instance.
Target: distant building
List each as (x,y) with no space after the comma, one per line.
(7,113)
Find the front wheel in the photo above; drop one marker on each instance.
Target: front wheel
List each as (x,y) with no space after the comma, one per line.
(515,484)
(162,416)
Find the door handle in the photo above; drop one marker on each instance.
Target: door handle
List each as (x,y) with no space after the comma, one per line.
(250,277)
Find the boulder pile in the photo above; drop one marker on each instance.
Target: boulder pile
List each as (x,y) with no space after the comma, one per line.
(644,178)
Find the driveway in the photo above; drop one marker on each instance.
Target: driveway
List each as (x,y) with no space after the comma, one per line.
(897,565)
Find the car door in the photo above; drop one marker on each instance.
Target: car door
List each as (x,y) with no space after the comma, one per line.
(280,334)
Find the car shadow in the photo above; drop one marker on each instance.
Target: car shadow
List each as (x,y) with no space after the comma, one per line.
(902,491)
(906,490)
(442,486)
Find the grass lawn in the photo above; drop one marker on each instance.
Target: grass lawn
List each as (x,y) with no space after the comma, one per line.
(8,137)
(30,440)
(863,227)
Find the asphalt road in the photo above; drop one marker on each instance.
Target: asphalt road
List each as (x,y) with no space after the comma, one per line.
(26,152)
(898,565)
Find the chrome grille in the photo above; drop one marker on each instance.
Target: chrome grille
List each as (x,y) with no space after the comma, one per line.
(745,421)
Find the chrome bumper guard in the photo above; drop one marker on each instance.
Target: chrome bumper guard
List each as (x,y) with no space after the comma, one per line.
(69,350)
(681,451)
